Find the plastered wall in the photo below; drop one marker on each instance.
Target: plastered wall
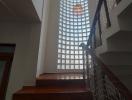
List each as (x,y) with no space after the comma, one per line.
(38,5)
(43,38)
(52,38)
(26,38)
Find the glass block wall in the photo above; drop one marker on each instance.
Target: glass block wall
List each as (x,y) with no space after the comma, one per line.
(74,28)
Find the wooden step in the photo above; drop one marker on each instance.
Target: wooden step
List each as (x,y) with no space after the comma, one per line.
(60,76)
(61,83)
(40,93)
(56,87)
(60,80)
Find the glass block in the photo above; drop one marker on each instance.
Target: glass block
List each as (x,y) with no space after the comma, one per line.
(59,60)
(76,47)
(58,66)
(72,56)
(76,61)
(72,66)
(59,46)
(72,43)
(81,61)
(81,56)
(67,56)
(67,67)
(63,47)
(63,56)
(63,66)
(76,57)
(67,47)
(76,52)
(72,47)
(67,61)
(68,51)
(76,43)
(63,51)
(59,41)
(59,55)
(81,52)
(81,66)
(72,28)
(76,66)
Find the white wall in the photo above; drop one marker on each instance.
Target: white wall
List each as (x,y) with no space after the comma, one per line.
(43,37)
(116,48)
(26,37)
(92,5)
(52,38)
(38,4)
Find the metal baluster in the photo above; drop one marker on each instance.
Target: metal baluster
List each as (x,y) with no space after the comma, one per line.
(94,71)
(84,49)
(87,68)
(95,84)
(107,14)
(94,40)
(100,29)
(104,85)
(83,63)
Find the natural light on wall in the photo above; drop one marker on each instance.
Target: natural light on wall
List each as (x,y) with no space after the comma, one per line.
(74,28)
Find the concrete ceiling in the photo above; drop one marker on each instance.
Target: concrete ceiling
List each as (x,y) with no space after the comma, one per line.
(18,10)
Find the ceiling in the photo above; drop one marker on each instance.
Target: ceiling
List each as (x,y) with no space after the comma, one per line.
(18,10)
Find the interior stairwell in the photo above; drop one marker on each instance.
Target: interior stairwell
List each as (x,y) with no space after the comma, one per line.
(108,72)
(116,48)
(56,87)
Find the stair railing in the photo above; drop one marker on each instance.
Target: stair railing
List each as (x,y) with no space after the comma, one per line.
(99,79)
(97,22)
(104,84)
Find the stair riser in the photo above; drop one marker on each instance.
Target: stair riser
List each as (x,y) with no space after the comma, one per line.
(60,83)
(61,96)
(50,87)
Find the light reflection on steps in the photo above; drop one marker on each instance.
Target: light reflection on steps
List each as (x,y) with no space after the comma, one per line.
(68,77)
(58,76)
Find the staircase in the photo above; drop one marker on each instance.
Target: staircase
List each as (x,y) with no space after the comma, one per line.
(55,87)
(116,48)
(115,54)
(118,53)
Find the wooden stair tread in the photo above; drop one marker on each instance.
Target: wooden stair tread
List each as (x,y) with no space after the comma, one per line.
(60,80)
(52,94)
(39,90)
(56,87)
(60,76)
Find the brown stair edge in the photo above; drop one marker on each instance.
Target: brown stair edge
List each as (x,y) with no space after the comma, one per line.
(55,76)
(39,90)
